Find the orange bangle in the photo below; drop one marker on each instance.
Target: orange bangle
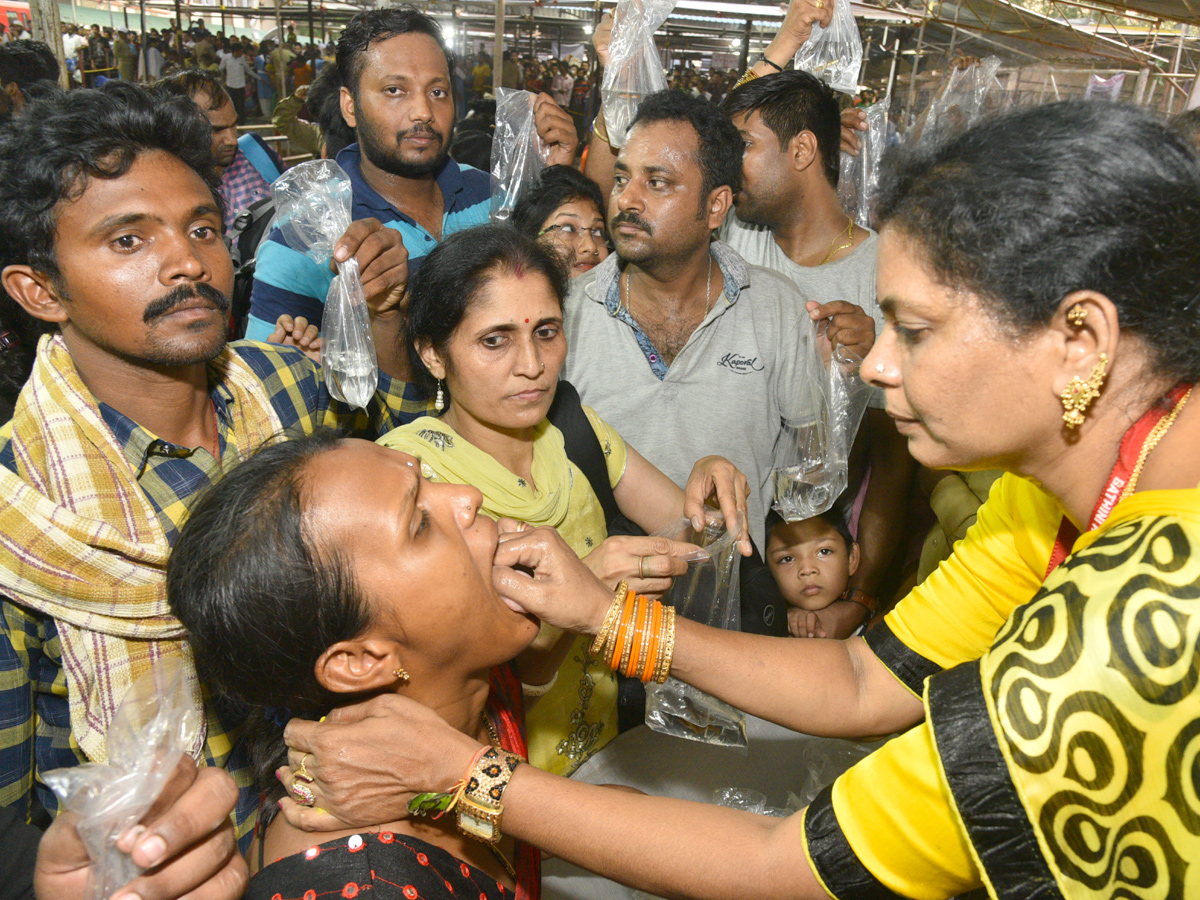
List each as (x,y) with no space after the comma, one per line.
(622,631)
(652,655)
(631,631)
(641,635)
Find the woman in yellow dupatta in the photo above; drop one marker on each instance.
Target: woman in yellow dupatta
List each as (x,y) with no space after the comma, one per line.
(485,337)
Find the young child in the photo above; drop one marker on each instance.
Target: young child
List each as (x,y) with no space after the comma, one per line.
(811,560)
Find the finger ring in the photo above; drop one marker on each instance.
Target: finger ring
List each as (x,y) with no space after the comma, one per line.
(301,772)
(819,4)
(642,567)
(303,794)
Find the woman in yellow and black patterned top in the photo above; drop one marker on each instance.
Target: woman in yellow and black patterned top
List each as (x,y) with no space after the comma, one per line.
(1040,275)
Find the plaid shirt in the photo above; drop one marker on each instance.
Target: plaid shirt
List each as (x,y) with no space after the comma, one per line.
(240,187)
(35,728)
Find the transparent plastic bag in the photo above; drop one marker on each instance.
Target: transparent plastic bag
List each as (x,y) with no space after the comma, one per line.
(834,53)
(812,458)
(752,801)
(823,760)
(707,593)
(313,203)
(634,69)
(149,734)
(960,103)
(858,180)
(518,154)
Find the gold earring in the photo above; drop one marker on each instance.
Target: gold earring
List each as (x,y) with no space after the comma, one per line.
(1077,315)
(401,673)
(1078,395)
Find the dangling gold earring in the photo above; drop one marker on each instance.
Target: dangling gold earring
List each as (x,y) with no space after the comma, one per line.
(1077,315)
(1078,395)
(401,673)
(439,402)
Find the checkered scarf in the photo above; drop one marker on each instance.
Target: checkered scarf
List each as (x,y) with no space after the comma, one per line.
(80,542)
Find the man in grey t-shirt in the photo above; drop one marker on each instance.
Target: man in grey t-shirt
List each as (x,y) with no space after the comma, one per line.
(789,219)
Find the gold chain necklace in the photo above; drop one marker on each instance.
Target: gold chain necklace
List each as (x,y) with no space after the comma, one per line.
(1156,435)
(838,249)
(707,293)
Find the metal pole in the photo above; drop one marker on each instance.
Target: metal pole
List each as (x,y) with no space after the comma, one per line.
(743,61)
(498,47)
(912,87)
(311,37)
(145,48)
(892,73)
(281,72)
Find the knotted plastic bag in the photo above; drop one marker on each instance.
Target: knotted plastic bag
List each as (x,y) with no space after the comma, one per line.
(313,203)
(858,179)
(707,593)
(634,69)
(834,53)
(812,457)
(518,154)
(149,734)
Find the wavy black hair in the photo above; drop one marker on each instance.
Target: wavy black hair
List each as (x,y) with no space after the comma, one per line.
(324,102)
(720,154)
(24,62)
(1029,207)
(373,25)
(50,153)
(451,277)
(260,599)
(789,103)
(550,190)
(191,83)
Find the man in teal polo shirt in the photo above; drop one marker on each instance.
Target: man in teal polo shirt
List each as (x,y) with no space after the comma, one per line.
(397,95)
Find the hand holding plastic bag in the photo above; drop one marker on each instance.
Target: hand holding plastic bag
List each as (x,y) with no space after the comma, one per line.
(858,179)
(960,103)
(634,69)
(313,204)
(813,459)
(707,593)
(834,53)
(518,154)
(149,734)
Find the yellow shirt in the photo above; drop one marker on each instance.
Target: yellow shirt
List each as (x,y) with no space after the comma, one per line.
(578,715)
(1058,761)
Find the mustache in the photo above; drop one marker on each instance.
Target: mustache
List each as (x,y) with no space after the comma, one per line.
(631,218)
(156,309)
(420,130)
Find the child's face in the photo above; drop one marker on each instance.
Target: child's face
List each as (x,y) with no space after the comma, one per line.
(810,562)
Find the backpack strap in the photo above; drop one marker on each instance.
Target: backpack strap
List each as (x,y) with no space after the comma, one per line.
(582,445)
(255,150)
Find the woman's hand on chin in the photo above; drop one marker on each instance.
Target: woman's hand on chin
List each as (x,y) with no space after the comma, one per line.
(715,477)
(647,564)
(366,761)
(539,571)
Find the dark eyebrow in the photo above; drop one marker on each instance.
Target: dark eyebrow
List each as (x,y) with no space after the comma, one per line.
(120,220)
(888,305)
(512,326)
(409,499)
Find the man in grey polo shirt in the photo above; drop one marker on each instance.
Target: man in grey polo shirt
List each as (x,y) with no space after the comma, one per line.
(679,343)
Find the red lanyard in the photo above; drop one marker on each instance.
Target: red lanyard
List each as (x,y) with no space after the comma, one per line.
(1127,457)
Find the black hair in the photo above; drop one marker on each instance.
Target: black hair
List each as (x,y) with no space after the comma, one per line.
(550,190)
(451,277)
(50,152)
(373,25)
(831,517)
(192,82)
(789,103)
(25,62)
(720,154)
(260,599)
(325,104)
(1188,125)
(1027,208)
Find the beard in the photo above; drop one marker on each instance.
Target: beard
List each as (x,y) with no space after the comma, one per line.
(388,156)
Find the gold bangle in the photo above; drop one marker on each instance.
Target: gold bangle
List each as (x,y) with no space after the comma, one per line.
(627,650)
(669,649)
(643,639)
(610,620)
(598,129)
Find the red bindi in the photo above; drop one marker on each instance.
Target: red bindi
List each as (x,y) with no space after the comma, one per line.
(526,321)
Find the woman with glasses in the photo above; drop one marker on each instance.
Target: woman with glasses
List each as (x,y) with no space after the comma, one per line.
(564,209)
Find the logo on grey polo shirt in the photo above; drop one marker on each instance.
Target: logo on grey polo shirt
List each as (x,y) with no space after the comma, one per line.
(742,365)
